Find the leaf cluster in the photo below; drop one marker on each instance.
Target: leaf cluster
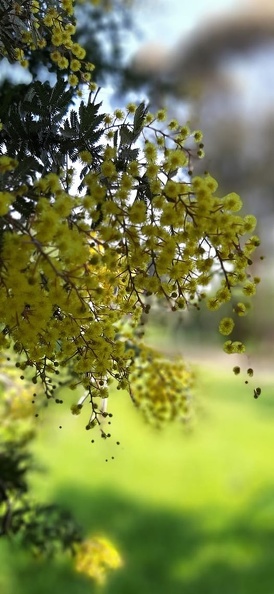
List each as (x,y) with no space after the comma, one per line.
(31,126)
(45,529)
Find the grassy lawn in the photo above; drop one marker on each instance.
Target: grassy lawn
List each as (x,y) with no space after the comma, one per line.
(189,512)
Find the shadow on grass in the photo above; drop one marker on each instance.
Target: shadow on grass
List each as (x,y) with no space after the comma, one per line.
(165,552)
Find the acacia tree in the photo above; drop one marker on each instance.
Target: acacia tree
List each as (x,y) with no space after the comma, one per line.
(100,215)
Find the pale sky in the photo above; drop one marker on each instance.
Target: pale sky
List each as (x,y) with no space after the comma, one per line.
(168,20)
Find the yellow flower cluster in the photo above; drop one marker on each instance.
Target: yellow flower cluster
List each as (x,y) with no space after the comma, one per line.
(95,556)
(79,271)
(6,199)
(7,163)
(161,388)
(81,265)
(226,326)
(41,22)
(234,347)
(17,413)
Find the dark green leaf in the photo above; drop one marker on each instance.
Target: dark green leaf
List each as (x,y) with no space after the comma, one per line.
(139,117)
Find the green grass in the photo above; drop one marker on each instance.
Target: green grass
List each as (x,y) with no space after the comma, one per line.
(189,512)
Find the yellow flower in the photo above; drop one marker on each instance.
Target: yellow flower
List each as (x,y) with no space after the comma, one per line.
(172,189)
(131,107)
(63,63)
(70,28)
(228,347)
(67,5)
(150,151)
(89,66)
(41,43)
(211,183)
(226,326)
(6,198)
(233,202)
(108,169)
(95,556)
(35,6)
(240,309)
(7,163)
(213,303)
(119,114)
(75,65)
(137,212)
(57,38)
(85,156)
(73,80)
(56,56)
(78,51)
(176,158)
(198,135)
(173,125)
(161,115)
(249,289)
(86,76)
(250,223)
(238,347)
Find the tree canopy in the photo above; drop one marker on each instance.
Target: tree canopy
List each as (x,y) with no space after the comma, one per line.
(102,215)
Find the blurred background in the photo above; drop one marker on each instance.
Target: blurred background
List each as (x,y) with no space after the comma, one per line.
(189,509)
